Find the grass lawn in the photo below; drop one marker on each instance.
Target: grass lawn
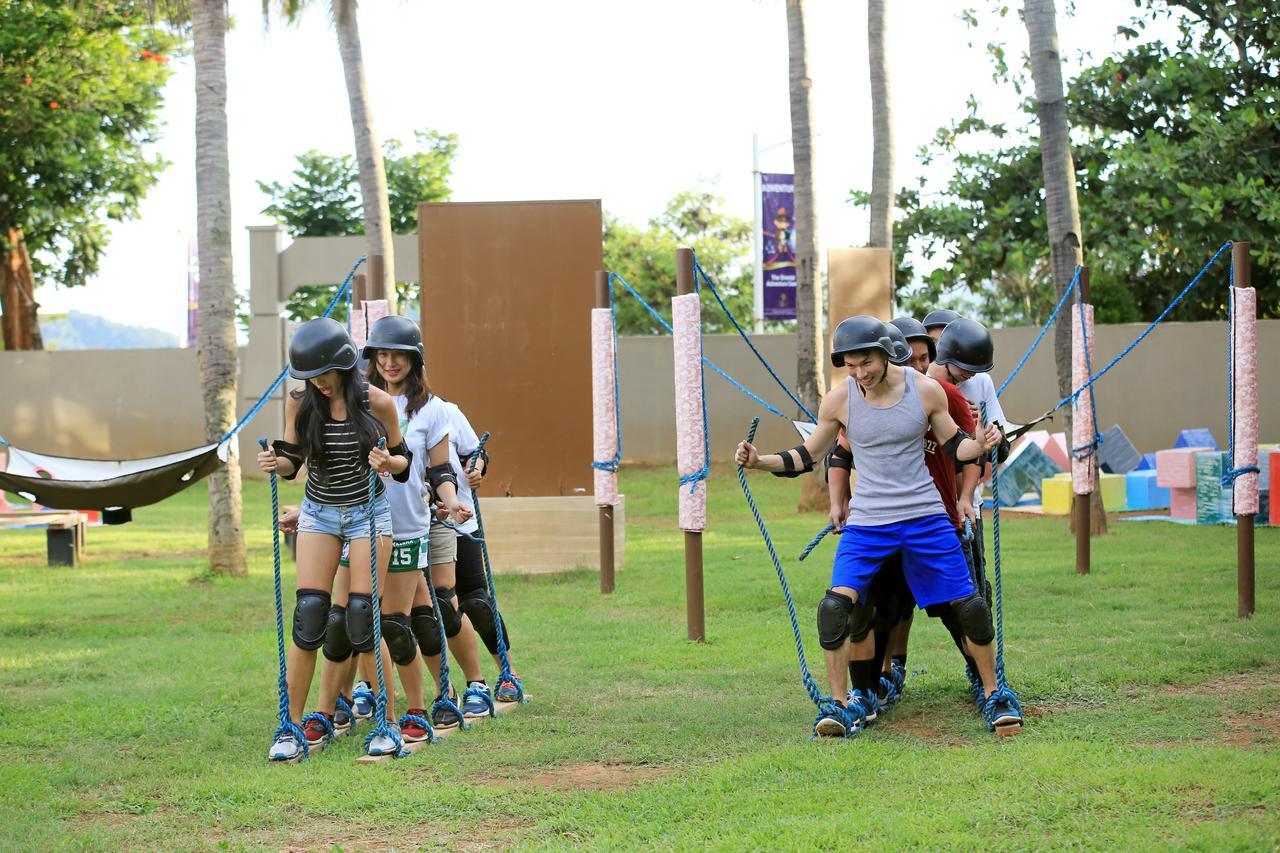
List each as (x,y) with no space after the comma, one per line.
(137,701)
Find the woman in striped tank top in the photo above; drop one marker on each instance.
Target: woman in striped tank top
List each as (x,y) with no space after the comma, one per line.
(885,410)
(333,425)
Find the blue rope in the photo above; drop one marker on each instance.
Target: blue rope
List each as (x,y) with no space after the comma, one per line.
(1075,283)
(279,380)
(458,530)
(1230,477)
(286,724)
(814,542)
(998,589)
(708,362)
(612,464)
(506,674)
(381,705)
(827,706)
(445,701)
(701,274)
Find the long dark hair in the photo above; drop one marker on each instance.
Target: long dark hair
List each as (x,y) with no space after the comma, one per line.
(314,409)
(416,390)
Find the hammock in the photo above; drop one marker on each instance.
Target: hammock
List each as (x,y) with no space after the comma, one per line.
(114,487)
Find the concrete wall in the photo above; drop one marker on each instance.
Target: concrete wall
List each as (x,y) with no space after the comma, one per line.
(1174,380)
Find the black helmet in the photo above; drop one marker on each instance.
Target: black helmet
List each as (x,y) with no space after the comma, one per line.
(902,348)
(397,333)
(967,344)
(318,346)
(859,333)
(913,329)
(939,317)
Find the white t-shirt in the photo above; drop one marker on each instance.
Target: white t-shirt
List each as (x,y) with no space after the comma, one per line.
(428,427)
(463,441)
(980,389)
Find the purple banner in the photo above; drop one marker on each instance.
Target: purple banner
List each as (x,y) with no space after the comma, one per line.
(778,263)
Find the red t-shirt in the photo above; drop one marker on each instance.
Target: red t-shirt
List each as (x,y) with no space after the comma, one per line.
(942,466)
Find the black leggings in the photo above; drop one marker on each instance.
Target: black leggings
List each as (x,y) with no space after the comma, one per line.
(472,585)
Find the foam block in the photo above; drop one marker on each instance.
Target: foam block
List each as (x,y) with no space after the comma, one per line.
(1056,495)
(1147,463)
(1209,468)
(1264,468)
(1023,471)
(1117,455)
(1114,497)
(1274,465)
(1142,491)
(1176,468)
(1058,451)
(1182,503)
(1196,438)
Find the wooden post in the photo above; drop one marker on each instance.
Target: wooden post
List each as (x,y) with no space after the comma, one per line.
(693,599)
(1081,505)
(359,291)
(1242,275)
(606,512)
(377,286)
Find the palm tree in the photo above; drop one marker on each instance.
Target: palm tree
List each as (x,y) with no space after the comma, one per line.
(881,130)
(809,325)
(1062,210)
(373,176)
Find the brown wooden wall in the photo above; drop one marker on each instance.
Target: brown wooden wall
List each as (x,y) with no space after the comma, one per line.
(507,293)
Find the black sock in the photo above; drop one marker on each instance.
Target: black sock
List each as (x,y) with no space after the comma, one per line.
(864,675)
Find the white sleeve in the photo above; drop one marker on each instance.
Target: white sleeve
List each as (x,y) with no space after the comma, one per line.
(994,411)
(464,438)
(435,422)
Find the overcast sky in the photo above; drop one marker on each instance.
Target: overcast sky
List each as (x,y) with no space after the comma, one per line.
(626,102)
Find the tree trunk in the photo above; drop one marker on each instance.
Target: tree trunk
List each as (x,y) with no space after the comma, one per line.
(373,176)
(21,321)
(809,326)
(216,343)
(881,130)
(1062,211)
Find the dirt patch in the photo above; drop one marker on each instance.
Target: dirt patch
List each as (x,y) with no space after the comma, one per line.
(916,727)
(583,777)
(1252,731)
(498,833)
(1234,683)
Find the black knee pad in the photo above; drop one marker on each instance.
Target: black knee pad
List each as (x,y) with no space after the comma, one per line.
(974,616)
(360,621)
(950,620)
(426,629)
(475,604)
(398,634)
(310,614)
(337,643)
(840,618)
(448,611)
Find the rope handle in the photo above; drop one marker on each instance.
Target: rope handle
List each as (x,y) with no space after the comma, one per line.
(286,724)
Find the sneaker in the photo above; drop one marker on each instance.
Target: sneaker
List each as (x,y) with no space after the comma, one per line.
(1001,711)
(509,689)
(856,700)
(286,748)
(899,677)
(362,700)
(386,742)
(830,725)
(413,726)
(476,701)
(318,727)
(444,715)
(888,694)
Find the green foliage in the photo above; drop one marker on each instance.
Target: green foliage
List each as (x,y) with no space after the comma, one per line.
(646,258)
(322,199)
(80,94)
(1175,149)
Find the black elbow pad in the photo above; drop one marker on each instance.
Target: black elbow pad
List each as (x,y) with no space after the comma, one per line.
(402,449)
(289,451)
(790,464)
(438,475)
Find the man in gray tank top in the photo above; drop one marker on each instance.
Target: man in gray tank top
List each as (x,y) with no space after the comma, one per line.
(885,411)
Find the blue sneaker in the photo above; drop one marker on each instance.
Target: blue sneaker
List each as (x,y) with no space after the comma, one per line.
(899,677)
(1002,712)
(866,703)
(891,695)
(362,700)
(476,701)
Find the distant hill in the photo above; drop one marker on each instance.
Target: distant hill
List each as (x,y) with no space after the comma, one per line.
(76,330)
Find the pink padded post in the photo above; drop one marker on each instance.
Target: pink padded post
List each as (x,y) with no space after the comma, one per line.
(1082,416)
(1245,382)
(604,424)
(686,320)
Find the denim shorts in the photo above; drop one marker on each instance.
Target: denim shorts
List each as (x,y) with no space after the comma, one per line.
(345,522)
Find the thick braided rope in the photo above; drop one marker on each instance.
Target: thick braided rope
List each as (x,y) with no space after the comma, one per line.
(445,700)
(995,549)
(1075,282)
(381,704)
(505,662)
(814,542)
(286,724)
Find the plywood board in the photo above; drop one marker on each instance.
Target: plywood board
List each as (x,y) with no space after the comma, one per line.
(534,536)
(859,281)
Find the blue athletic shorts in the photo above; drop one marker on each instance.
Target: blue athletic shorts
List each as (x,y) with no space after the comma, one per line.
(932,559)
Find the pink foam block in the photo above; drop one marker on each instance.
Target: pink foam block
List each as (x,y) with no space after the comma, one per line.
(1056,449)
(604,422)
(691,451)
(1244,306)
(1275,478)
(369,312)
(1082,356)
(1182,502)
(1176,468)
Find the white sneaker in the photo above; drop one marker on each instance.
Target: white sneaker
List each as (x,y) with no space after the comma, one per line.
(386,744)
(286,748)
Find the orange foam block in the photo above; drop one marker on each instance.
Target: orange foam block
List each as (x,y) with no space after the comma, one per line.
(1182,501)
(1176,468)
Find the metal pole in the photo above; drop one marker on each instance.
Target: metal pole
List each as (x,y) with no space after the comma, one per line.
(1242,274)
(1081,505)
(695,616)
(757,238)
(606,512)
